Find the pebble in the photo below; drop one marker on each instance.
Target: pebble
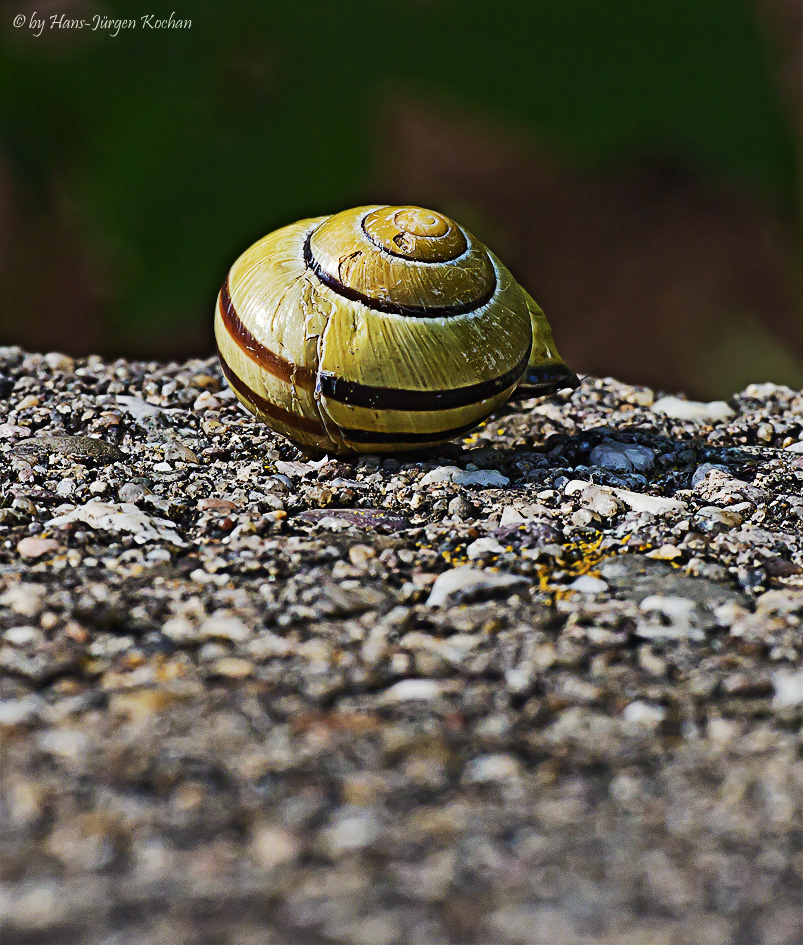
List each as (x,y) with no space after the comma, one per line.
(488,769)
(651,504)
(79,448)
(679,409)
(224,627)
(626,457)
(597,499)
(273,846)
(643,714)
(413,690)
(57,361)
(120,517)
(704,469)
(463,583)
(138,408)
(666,552)
(351,831)
(14,712)
(484,546)
(33,547)
(23,598)
(206,401)
(488,478)
(710,518)
(23,636)
(586,584)
(788,689)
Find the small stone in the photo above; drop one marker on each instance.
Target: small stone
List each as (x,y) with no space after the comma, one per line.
(651,504)
(138,408)
(511,516)
(360,555)
(65,487)
(462,583)
(273,846)
(23,636)
(352,830)
(33,547)
(176,451)
(715,520)
(14,712)
(232,667)
(587,584)
(412,690)
(221,626)
(601,501)
(205,401)
(123,517)
(57,361)
(644,714)
(8,431)
(217,505)
(489,769)
(582,518)
(81,449)
(676,608)
(478,477)
(623,457)
(788,690)
(665,552)
(484,546)
(25,599)
(679,409)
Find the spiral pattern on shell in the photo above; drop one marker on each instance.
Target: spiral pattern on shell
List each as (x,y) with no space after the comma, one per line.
(377,329)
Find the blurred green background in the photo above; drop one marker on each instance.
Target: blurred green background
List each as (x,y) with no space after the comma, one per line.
(636,164)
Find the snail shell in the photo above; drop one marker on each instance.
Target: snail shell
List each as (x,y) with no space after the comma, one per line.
(379,329)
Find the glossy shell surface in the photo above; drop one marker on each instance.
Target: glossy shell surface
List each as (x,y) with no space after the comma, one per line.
(378,329)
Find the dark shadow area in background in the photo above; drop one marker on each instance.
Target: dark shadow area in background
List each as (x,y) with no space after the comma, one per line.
(633,163)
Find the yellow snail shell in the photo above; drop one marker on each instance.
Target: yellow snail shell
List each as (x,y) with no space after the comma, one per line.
(379,329)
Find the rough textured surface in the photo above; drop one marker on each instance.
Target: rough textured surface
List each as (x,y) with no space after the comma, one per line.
(246,696)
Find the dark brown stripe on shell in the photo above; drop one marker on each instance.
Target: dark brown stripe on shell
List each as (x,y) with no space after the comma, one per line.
(279,414)
(274,364)
(388,306)
(389,398)
(436,436)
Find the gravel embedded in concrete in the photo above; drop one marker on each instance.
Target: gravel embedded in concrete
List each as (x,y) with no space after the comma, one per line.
(545,684)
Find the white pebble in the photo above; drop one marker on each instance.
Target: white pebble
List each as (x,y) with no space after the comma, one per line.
(223,626)
(19,711)
(206,401)
(413,690)
(644,714)
(471,581)
(587,584)
(460,477)
(488,769)
(22,636)
(484,546)
(679,409)
(788,689)
(676,608)
(510,516)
